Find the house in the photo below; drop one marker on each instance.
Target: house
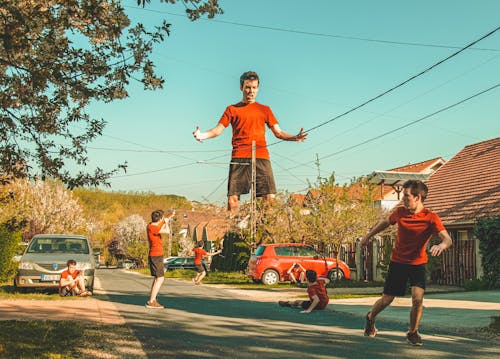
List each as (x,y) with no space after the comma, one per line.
(465,189)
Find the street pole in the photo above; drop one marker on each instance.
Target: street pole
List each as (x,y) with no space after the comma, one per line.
(253,199)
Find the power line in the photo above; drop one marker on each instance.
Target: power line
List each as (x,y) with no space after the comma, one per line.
(317,34)
(404,82)
(410,123)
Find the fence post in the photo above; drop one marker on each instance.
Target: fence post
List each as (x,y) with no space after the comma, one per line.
(376,253)
(359,261)
(479,260)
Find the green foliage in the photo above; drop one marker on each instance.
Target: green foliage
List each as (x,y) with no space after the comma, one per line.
(8,249)
(235,254)
(487,230)
(476,284)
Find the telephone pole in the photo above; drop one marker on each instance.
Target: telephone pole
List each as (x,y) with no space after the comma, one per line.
(253,198)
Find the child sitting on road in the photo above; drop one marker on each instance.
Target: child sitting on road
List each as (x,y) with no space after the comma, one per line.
(297,274)
(72,281)
(318,296)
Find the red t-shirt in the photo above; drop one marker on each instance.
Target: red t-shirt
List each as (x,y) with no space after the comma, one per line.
(154,239)
(319,289)
(414,231)
(249,123)
(198,254)
(296,272)
(65,274)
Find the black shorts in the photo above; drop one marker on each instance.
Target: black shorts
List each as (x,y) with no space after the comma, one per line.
(66,292)
(156,266)
(400,274)
(200,268)
(240,177)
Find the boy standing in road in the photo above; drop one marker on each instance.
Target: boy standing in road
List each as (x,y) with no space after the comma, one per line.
(249,119)
(199,253)
(72,281)
(155,256)
(316,290)
(416,225)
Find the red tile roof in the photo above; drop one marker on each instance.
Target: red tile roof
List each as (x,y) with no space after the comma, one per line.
(215,229)
(468,185)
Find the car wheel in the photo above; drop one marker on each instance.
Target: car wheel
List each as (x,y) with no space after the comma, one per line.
(270,277)
(336,274)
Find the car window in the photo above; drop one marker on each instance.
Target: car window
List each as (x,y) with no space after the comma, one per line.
(306,251)
(178,261)
(59,245)
(284,251)
(259,250)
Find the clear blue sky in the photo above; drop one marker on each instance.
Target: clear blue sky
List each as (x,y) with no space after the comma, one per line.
(312,70)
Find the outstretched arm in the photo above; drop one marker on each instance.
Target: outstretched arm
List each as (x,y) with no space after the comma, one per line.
(380,226)
(282,135)
(214,132)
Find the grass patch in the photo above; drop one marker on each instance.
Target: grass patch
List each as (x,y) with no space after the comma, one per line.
(64,339)
(8,291)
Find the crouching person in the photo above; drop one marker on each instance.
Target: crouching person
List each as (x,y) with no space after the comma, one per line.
(72,281)
(316,290)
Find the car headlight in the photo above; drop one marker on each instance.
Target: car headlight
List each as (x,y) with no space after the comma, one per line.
(84,266)
(26,265)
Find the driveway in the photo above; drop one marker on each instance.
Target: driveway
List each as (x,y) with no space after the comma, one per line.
(219,322)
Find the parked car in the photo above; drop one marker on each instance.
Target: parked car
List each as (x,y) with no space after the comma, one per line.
(127,264)
(172,263)
(270,262)
(45,259)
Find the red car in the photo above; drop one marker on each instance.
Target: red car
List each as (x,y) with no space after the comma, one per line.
(270,262)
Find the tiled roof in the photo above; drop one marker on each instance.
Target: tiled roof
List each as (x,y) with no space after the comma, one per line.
(298,198)
(215,229)
(198,230)
(468,185)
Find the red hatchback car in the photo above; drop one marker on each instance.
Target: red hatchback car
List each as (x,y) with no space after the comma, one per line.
(270,262)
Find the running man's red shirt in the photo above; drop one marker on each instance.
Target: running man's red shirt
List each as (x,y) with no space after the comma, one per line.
(248,122)
(414,231)
(154,239)
(319,289)
(198,255)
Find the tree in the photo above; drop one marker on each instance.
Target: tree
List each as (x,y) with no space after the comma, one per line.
(130,234)
(41,207)
(57,57)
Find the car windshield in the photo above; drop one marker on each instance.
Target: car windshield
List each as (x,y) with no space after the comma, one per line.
(58,245)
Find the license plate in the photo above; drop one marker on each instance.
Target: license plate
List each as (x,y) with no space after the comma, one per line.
(49,277)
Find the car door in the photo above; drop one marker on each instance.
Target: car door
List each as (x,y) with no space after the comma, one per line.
(311,260)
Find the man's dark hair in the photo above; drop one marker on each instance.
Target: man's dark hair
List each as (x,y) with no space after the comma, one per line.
(156,216)
(311,275)
(417,188)
(200,243)
(70,262)
(249,75)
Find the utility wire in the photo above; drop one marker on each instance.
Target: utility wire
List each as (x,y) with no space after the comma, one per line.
(317,34)
(408,124)
(404,82)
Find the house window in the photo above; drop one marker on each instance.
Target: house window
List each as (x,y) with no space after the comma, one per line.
(462,235)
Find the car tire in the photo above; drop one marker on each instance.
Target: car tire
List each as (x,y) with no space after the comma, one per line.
(270,277)
(336,274)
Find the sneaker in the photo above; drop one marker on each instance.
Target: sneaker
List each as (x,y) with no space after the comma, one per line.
(370,329)
(414,338)
(85,294)
(284,304)
(154,305)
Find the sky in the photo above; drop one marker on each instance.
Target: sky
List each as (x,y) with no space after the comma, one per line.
(317,61)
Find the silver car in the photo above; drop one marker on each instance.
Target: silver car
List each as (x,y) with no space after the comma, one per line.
(45,259)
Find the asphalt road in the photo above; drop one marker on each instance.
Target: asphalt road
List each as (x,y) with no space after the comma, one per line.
(213,322)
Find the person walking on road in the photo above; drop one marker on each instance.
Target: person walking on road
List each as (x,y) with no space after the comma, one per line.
(248,120)
(416,225)
(199,253)
(155,256)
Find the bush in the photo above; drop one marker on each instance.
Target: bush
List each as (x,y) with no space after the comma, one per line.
(476,284)
(487,230)
(8,249)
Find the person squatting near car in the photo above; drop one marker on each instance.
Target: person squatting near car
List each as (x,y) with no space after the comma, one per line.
(72,281)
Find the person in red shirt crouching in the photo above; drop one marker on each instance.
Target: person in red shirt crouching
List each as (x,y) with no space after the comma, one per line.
(318,296)
(72,281)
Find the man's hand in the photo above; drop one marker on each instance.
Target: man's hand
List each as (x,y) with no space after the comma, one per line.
(437,249)
(197,134)
(301,136)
